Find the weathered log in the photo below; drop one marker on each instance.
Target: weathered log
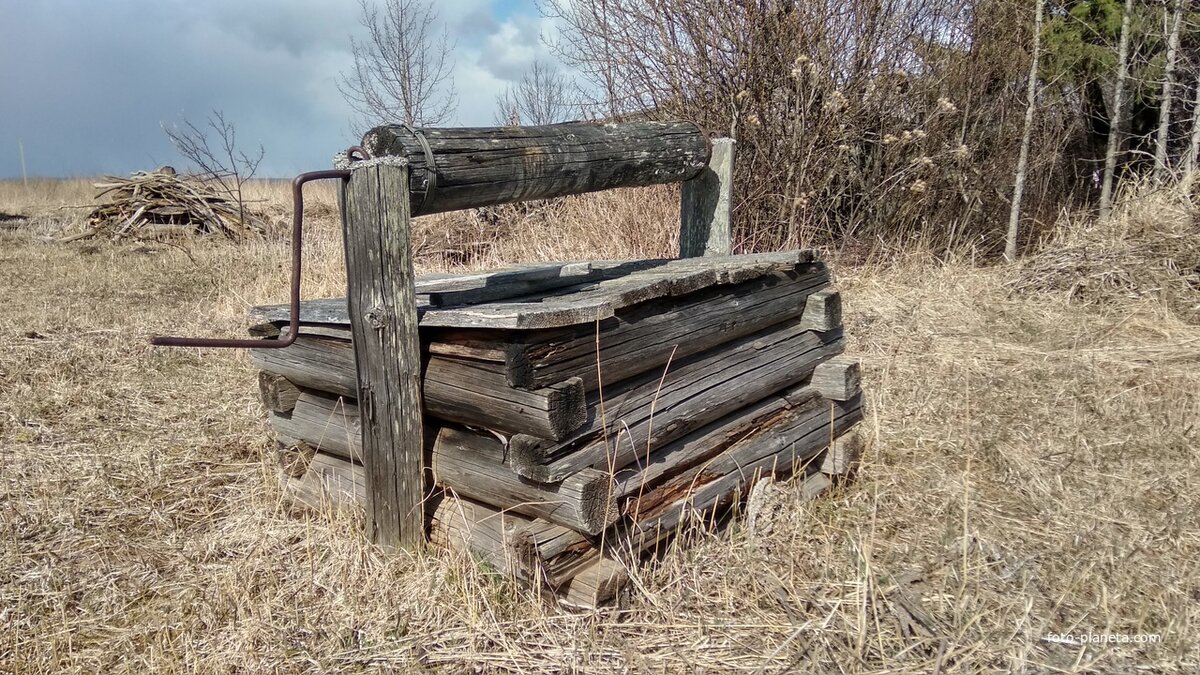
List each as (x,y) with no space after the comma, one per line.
(472,465)
(721,482)
(330,482)
(471,167)
(843,455)
(328,423)
(294,457)
(713,439)
(596,585)
(278,394)
(458,390)
(534,551)
(794,438)
(633,341)
(643,337)
(838,378)
(644,413)
(470,528)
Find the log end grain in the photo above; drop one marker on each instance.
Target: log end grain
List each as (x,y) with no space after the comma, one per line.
(594,492)
(838,379)
(278,394)
(567,403)
(595,586)
(527,457)
(822,311)
(843,455)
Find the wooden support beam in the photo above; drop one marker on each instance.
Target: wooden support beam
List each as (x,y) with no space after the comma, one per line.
(823,310)
(706,206)
(383,312)
(838,379)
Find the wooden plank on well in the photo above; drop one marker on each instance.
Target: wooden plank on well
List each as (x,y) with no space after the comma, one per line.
(572,305)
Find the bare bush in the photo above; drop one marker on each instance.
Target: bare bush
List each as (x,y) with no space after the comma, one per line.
(213,150)
(541,96)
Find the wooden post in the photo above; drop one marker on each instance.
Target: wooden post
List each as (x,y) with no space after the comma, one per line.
(387,350)
(706,206)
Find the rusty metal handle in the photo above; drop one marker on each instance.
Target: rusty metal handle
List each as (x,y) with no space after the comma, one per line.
(297,232)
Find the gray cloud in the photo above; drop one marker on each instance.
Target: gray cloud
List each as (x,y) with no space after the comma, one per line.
(87,84)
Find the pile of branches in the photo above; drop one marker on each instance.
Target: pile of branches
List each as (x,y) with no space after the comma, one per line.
(162,204)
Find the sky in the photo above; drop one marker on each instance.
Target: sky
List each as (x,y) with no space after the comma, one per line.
(87,85)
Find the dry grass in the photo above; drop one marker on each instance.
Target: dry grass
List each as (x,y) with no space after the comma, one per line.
(1031,470)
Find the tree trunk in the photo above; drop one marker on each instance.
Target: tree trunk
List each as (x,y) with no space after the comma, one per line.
(1114,133)
(1164,115)
(1014,214)
(1194,149)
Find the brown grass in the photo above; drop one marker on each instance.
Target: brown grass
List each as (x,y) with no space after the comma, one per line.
(1030,470)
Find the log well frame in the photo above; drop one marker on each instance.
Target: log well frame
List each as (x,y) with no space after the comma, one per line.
(480,167)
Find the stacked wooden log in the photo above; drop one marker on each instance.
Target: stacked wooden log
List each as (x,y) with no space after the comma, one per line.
(578,415)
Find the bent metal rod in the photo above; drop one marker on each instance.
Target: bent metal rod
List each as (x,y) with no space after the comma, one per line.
(355,152)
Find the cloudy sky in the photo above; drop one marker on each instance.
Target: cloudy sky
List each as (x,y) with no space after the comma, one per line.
(85,86)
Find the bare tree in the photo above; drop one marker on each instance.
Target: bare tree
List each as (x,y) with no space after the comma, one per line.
(1114,134)
(403,71)
(1164,115)
(213,150)
(1014,215)
(539,97)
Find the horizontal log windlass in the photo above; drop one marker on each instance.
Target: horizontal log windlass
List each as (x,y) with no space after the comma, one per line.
(465,168)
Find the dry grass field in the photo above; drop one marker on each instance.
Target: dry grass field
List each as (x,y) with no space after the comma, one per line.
(1031,471)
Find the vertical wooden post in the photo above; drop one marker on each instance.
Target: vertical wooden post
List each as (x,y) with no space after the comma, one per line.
(706,206)
(387,351)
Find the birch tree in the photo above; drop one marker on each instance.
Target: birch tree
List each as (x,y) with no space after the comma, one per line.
(1114,134)
(1164,115)
(1014,214)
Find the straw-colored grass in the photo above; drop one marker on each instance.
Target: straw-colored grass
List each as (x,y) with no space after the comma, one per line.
(1031,470)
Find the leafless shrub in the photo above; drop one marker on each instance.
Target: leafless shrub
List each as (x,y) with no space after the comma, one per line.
(541,96)
(212,149)
(855,117)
